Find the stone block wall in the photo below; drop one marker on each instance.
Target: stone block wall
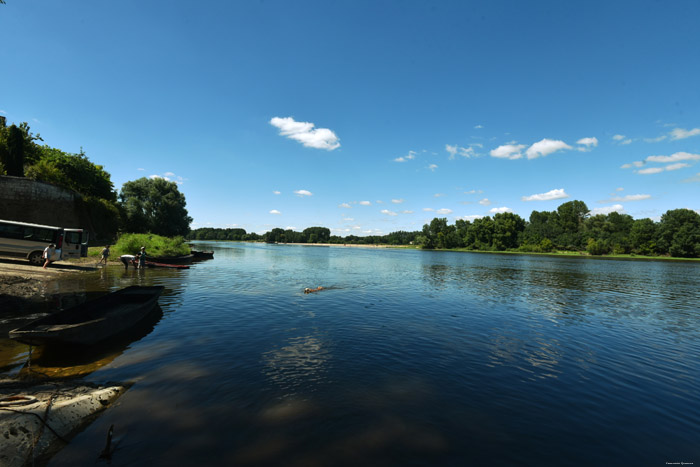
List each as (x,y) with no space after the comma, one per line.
(27,200)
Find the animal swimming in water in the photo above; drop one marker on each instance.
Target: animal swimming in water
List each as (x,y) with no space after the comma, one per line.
(308,290)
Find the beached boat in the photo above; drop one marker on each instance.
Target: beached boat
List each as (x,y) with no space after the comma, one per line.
(93,321)
(153,264)
(186,259)
(197,255)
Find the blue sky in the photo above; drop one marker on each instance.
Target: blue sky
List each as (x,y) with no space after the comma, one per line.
(368,117)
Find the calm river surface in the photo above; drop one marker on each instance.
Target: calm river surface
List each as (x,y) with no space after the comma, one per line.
(410,358)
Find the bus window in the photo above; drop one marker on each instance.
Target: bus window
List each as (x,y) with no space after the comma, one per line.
(73,238)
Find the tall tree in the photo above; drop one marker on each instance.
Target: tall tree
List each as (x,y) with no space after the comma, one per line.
(154,205)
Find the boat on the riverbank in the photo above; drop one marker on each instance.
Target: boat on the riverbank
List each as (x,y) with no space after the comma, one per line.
(93,321)
(153,264)
(185,259)
(199,255)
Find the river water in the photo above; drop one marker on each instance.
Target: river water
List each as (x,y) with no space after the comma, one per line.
(408,358)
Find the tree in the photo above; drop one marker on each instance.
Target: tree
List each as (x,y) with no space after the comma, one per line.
(542,225)
(571,218)
(154,205)
(672,222)
(507,227)
(72,171)
(480,234)
(643,237)
(317,235)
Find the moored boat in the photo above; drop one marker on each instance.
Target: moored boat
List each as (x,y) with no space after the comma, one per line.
(153,264)
(93,321)
(185,259)
(202,254)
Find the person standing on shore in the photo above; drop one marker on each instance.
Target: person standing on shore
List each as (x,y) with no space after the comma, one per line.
(105,255)
(49,251)
(142,258)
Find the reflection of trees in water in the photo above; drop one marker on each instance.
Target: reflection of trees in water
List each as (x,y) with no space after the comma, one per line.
(300,364)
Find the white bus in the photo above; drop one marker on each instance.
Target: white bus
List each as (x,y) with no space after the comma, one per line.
(30,240)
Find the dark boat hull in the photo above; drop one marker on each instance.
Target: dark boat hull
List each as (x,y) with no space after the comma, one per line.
(187,259)
(93,321)
(152,264)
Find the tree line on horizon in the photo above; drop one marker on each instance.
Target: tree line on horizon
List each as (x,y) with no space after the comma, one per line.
(141,206)
(570,227)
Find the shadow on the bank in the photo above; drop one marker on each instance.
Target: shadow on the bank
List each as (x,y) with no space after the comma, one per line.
(57,265)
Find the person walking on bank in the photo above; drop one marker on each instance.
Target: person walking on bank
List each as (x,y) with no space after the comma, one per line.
(142,258)
(105,255)
(49,251)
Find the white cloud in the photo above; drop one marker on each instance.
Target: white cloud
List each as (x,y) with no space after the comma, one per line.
(397,201)
(438,195)
(141,169)
(626,142)
(464,152)
(500,210)
(508,151)
(591,142)
(618,137)
(410,156)
(679,156)
(275,211)
(485,202)
(550,195)
(608,209)
(680,133)
(471,218)
(169,174)
(444,211)
(477,127)
(694,179)
(626,198)
(655,140)
(153,177)
(633,164)
(433,167)
(407,212)
(679,165)
(619,189)
(306,134)
(651,170)
(587,144)
(428,209)
(277,192)
(303,193)
(345,205)
(365,203)
(388,213)
(545,147)
(473,192)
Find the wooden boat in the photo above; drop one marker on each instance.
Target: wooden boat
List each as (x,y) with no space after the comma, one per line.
(186,259)
(202,254)
(153,264)
(93,321)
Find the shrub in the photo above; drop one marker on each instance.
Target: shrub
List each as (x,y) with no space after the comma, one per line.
(129,244)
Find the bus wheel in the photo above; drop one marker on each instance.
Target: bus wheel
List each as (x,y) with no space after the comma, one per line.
(36,258)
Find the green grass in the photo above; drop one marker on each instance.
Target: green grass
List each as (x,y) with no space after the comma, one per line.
(130,244)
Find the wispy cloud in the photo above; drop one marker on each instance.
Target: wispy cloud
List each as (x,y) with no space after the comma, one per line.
(408,157)
(277,192)
(470,218)
(388,213)
(485,202)
(464,152)
(478,127)
(655,140)
(673,160)
(275,212)
(500,210)
(397,201)
(407,211)
(608,209)
(680,133)
(625,198)
(678,156)
(622,139)
(345,205)
(303,193)
(444,211)
(306,134)
(550,195)
(432,167)
(365,203)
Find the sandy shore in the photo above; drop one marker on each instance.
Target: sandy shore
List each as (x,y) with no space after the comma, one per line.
(20,280)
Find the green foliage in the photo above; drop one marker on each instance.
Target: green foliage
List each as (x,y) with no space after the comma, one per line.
(683,224)
(105,216)
(17,148)
(154,205)
(72,171)
(597,247)
(156,245)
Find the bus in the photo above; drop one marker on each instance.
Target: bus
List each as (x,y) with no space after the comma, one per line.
(29,241)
